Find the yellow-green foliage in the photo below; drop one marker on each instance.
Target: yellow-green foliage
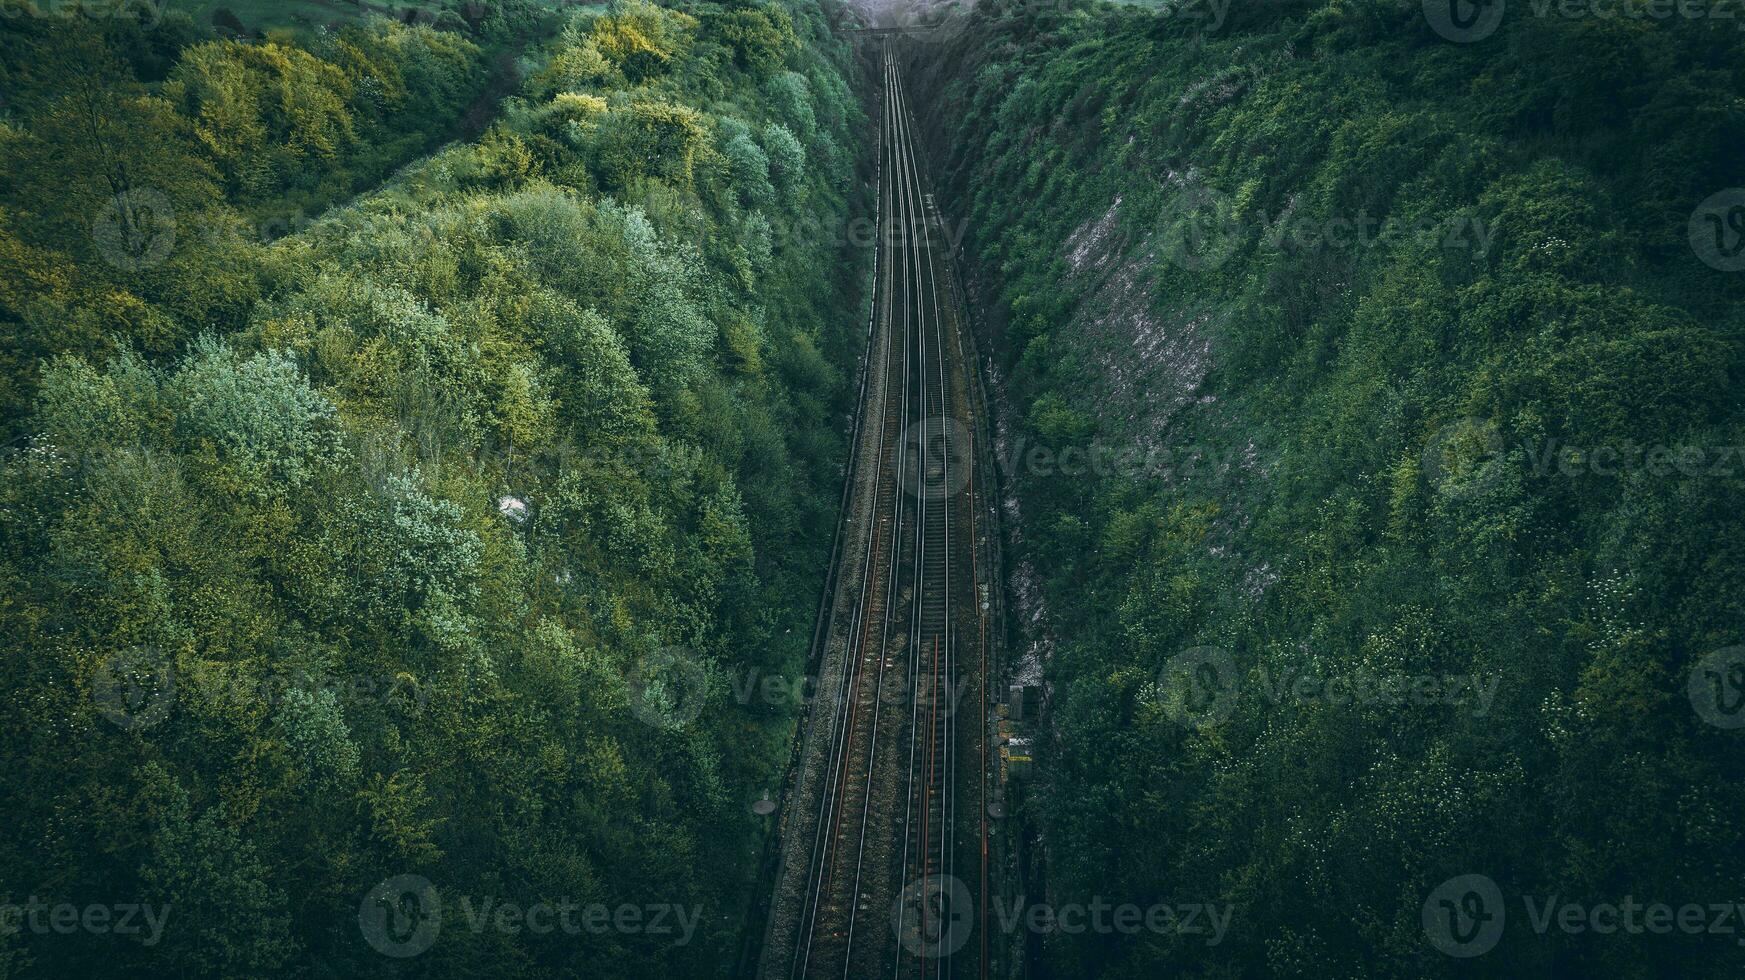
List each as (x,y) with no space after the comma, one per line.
(412,502)
(641,39)
(649,138)
(262,110)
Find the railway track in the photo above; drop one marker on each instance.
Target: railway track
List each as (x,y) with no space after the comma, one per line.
(868,883)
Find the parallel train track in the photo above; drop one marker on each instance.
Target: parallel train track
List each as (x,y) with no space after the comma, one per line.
(869,884)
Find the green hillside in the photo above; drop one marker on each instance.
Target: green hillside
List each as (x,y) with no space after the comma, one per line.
(401,554)
(1387,359)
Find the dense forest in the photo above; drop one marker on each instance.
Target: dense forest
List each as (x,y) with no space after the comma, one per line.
(423,428)
(383,516)
(1388,354)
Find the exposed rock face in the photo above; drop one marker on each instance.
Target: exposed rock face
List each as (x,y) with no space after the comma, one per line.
(1148,352)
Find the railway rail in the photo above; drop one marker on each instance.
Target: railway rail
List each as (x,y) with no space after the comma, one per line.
(890,802)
